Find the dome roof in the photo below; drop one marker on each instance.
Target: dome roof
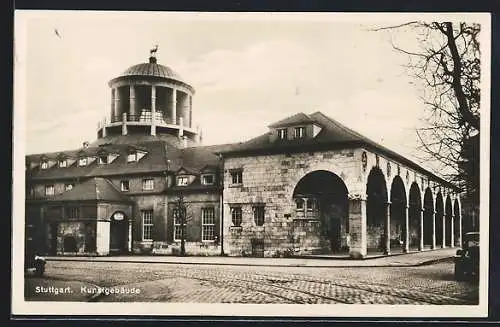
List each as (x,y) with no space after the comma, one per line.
(152,69)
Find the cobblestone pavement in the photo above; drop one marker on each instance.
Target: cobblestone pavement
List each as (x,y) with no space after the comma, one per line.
(433,284)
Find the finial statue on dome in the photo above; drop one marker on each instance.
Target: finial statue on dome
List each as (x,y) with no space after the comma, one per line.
(152,52)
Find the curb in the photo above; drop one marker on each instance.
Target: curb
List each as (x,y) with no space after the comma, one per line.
(418,264)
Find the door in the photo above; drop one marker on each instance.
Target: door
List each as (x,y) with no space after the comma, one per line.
(118,234)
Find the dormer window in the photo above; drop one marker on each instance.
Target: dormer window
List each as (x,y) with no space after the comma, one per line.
(82,162)
(68,187)
(207,179)
(282,133)
(103,160)
(132,157)
(182,181)
(63,163)
(45,164)
(299,132)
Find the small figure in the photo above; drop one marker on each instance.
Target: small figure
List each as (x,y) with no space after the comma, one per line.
(153,51)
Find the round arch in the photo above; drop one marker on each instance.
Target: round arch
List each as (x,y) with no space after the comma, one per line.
(376,209)
(398,213)
(439,219)
(448,230)
(414,212)
(428,217)
(321,199)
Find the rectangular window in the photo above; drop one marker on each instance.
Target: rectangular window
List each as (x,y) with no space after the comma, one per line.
(299,132)
(237,177)
(82,162)
(72,212)
(236,216)
(45,165)
(148,184)
(147,225)
(282,133)
(49,190)
(103,160)
(208,224)
(68,187)
(207,179)
(177,225)
(125,186)
(182,181)
(63,163)
(258,215)
(132,157)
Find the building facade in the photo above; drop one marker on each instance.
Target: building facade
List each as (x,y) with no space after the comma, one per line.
(308,186)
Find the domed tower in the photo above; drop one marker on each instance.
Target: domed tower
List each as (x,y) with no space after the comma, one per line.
(149,99)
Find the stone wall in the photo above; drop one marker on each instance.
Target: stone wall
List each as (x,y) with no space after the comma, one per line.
(271,179)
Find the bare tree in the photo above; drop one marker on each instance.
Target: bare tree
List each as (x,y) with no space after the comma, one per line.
(447,61)
(182,216)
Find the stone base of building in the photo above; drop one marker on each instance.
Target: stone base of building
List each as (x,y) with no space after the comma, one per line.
(165,248)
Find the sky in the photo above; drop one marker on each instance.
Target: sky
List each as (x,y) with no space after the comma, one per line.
(248,72)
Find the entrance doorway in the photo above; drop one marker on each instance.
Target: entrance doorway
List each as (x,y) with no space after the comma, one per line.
(322,211)
(118,233)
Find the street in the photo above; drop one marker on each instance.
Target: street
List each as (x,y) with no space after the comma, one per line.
(158,282)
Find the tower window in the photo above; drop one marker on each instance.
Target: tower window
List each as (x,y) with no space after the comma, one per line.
(299,132)
(282,133)
(63,163)
(45,164)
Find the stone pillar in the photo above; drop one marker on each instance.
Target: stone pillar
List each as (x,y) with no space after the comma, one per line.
(407,231)
(124,123)
(305,207)
(174,106)
(388,229)
(117,104)
(452,231)
(460,229)
(444,230)
(129,243)
(133,108)
(421,244)
(357,227)
(190,104)
(433,229)
(153,110)
(102,237)
(112,115)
